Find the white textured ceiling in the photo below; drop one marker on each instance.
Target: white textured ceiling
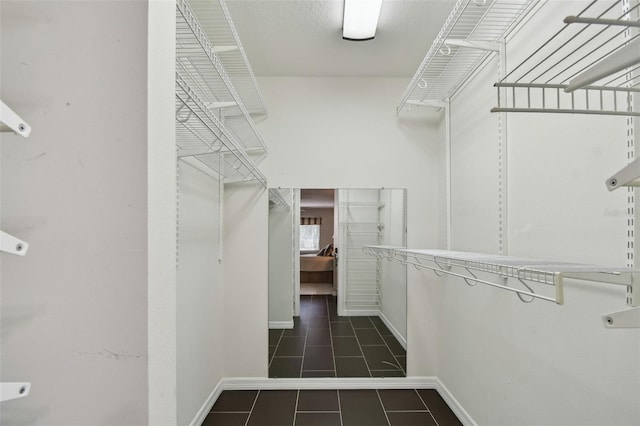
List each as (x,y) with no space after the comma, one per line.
(304,37)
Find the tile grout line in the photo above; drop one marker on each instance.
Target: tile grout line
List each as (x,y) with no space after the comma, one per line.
(339,404)
(383,409)
(333,352)
(427,406)
(255,400)
(295,409)
(388,348)
(276,348)
(360,347)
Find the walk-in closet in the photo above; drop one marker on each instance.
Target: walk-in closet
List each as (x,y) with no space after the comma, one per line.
(248,212)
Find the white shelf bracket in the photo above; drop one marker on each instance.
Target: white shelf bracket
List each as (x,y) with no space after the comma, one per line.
(10,121)
(622,58)
(627,176)
(220,105)
(629,318)
(491,46)
(14,390)
(12,245)
(427,103)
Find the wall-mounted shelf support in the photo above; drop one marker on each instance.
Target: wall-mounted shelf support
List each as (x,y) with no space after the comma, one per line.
(223,49)
(12,245)
(582,20)
(428,103)
(525,271)
(11,122)
(489,46)
(629,318)
(277,198)
(625,57)
(14,390)
(581,69)
(627,176)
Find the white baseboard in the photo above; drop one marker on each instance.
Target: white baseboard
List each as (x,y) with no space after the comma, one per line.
(253,383)
(399,337)
(208,404)
(280,324)
(453,403)
(260,383)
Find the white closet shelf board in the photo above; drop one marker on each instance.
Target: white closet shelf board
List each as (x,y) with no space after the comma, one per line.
(505,267)
(203,140)
(470,34)
(215,20)
(200,67)
(589,66)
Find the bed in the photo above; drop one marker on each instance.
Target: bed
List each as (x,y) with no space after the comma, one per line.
(316,269)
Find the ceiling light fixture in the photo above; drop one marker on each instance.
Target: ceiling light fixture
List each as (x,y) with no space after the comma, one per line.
(360,19)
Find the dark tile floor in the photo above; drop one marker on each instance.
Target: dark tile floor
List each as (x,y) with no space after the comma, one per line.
(388,407)
(322,344)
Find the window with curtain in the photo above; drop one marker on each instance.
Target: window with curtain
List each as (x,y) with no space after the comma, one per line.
(310,233)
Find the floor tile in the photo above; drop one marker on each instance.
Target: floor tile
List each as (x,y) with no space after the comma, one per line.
(361,322)
(299,329)
(240,400)
(342,329)
(438,408)
(402,360)
(368,336)
(285,367)
(318,337)
(318,358)
(380,358)
(274,336)
(320,373)
(346,346)
(291,346)
(351,367)
(318,419)
(318,400)
(382,329)
(395,346)
(272,350)
(411,419)
(361,407)
(319,322)
(226,419)
(273,408)
(401,400)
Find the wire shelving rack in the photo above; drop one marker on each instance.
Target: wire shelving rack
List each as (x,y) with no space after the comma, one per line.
(471,34)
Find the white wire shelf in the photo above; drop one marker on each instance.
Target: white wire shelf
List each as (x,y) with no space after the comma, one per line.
(215,19)
(278,198)
(202,138)
(525,271)
(470,35)
(203,70)
(589,66)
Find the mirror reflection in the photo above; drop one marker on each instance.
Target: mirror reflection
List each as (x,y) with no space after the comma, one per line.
(335,311)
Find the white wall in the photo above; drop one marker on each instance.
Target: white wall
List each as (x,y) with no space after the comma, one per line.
(74,310)
(343,133)
(512,363)
(245,265)
(280,254)
(199,291)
